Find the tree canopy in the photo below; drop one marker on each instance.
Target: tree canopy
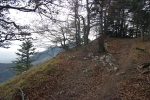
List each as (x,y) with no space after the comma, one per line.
(9,29)
(24,59)
(78,19)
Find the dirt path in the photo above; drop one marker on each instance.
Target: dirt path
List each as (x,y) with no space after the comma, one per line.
(126,56)
(109,89)
(85,82)
(86,78)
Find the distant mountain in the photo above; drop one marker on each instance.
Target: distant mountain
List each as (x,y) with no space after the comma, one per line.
(5,68)
(6,72)
(41,57)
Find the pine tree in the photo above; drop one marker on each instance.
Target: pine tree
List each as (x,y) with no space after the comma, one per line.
(24,54)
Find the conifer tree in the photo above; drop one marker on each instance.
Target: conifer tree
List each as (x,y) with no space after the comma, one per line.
(24,54)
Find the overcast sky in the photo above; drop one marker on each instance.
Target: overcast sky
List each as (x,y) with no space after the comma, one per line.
(8,55)
(28,18)
(24,18)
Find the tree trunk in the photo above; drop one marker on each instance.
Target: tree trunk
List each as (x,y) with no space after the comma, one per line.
(77,24)
(27,62)
(101,38)
(87,27)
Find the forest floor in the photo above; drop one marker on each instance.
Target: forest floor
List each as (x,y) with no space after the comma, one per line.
(84,74)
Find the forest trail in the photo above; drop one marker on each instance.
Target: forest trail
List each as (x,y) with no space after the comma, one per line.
(124,54)
(79,74)
(98,85)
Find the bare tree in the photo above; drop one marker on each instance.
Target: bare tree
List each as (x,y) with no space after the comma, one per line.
(101,8)
(9,29)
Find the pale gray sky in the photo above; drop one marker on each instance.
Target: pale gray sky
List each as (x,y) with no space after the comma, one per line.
(23,18)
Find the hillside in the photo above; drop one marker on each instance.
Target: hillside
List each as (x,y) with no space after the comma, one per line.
(83,74)
(6,72)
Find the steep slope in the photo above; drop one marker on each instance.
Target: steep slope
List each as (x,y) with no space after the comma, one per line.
(6,72)
(84,74)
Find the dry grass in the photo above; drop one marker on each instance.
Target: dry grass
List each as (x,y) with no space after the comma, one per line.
(34,78)
(73,75)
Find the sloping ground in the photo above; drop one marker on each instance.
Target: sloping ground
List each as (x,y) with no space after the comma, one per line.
(83,74)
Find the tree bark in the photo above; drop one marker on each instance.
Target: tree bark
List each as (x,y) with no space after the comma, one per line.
(101,38)
(87,27)
(77,24)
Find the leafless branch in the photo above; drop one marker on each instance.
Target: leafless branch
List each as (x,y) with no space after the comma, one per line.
(24,9)
(10,23)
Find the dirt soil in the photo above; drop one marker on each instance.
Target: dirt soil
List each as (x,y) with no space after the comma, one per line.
(84,77)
